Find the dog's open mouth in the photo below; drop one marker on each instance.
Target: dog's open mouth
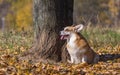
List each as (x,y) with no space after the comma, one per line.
(64,37)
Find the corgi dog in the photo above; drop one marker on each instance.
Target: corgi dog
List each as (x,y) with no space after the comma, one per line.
(77,46)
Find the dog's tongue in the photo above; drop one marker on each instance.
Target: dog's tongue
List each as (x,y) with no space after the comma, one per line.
(62,37)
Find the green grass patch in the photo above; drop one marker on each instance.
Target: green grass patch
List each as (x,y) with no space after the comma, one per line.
(102,36)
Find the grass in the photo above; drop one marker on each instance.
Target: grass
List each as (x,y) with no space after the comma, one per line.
(102,40)
(13,41)
(99,37)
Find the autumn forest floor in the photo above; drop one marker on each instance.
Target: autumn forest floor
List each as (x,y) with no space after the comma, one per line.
(104,41)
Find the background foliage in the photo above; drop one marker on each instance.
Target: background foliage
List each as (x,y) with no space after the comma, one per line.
(18,13)
(98,12)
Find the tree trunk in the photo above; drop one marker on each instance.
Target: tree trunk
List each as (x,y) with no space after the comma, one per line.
(50,17)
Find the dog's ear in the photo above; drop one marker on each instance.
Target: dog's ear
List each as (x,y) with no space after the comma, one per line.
(79,27)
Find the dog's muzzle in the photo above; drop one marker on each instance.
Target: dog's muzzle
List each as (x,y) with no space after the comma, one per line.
(63,35)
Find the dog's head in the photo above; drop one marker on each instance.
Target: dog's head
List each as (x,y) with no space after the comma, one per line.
(70,30)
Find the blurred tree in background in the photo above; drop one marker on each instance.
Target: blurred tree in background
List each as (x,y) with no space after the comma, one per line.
(18,13)
(97,12)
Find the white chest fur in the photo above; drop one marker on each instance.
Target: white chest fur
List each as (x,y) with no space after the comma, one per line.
(71,41)
(75,51)
(72,49)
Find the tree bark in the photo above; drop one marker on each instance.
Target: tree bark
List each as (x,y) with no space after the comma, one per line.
(50,17)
